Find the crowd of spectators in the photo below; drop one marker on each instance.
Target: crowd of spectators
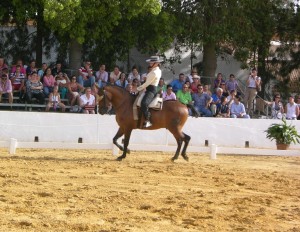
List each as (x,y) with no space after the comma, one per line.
(52,86)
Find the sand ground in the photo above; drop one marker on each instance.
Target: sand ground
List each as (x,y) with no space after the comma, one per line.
(87,190)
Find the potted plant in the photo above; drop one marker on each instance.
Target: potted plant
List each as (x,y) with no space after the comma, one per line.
(283,134)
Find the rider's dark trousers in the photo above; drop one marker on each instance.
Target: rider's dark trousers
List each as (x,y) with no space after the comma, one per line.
(149,95)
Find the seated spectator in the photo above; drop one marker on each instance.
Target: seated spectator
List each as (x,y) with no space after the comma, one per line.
(297,100)
(231,84)
(20,63)
(17,79)
(144,75)
(74,90)
(218,81)
(58,68)
(206,90)
(87,102)
(115,75)
(177,84)
(190,76)
(184,96)
(202,102)
(237,109)
(195,83)
(162,87)
(276,106)
(86,77)
(130,89)
(41,71)
(101,76)
(31,68)
(5,71)
(223,111)
(230,98)
(168,94)
(216,100)
(6,88)
(122,82)
(291,109)
(135,84)
(111,81)
(48,82)
(34,89)
(62,81)
(54,101)
(223,87)
(134,74)
(188,83)
(2,65)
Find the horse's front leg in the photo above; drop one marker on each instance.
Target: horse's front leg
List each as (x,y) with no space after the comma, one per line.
(186,140)
(126,142)
(117,136)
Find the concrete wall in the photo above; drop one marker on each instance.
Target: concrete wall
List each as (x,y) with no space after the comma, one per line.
(96,129)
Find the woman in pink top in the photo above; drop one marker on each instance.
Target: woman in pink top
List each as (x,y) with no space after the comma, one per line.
(48,82)
(6,88)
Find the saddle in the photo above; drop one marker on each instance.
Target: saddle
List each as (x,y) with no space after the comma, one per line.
(156,104)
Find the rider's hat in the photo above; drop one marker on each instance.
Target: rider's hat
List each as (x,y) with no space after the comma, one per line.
(154,59)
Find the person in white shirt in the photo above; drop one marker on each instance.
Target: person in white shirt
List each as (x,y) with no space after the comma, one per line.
(133,75)
(252,82)
(101,76)
(292,109)
(87,102)
(150,85)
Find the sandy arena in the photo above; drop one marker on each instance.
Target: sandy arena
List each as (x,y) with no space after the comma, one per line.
(87,190)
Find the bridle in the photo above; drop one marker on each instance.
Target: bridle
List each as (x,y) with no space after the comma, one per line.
(105,99)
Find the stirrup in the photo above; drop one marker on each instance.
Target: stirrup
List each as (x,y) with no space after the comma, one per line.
(147,124)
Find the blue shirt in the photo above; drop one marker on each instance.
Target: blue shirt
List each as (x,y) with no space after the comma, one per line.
(201,100)
(237,108)
(216,99)
(176,85)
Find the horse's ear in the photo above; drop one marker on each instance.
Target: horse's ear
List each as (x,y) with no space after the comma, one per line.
(101,97)
(101,91)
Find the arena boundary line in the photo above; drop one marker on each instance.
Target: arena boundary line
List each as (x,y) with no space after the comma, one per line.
(213,150)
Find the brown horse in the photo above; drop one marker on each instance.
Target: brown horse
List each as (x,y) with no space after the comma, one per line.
(172,117)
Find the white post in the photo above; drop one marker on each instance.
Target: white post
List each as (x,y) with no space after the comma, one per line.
(115,150)
(12,146)
(213,151)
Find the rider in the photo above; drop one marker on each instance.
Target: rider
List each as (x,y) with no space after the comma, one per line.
(150,85)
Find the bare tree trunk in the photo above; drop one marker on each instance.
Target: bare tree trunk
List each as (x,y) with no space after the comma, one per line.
(75,54)
(39,38)
(209,62)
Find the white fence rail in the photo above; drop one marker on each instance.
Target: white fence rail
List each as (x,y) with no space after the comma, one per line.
(79,131)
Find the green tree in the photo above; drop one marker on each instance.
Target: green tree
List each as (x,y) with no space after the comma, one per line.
(83,21)
(20,41)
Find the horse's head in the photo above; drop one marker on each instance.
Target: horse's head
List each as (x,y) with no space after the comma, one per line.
(111,95)
(104,104)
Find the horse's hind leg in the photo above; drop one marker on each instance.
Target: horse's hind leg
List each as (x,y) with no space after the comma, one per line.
(179,144)
(186,140)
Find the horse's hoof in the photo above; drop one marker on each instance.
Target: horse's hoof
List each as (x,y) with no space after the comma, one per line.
(120,158)
(128,151)
(173,159)
(186,158)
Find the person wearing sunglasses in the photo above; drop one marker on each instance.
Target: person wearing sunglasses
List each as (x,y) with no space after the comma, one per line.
(276,106)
